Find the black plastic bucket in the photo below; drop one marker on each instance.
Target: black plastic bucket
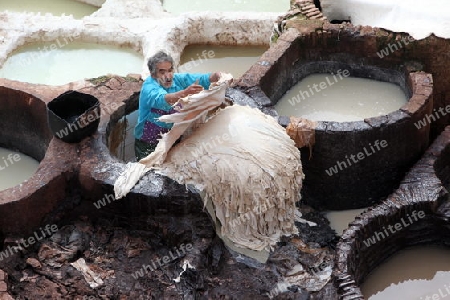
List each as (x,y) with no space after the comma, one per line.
(72,116)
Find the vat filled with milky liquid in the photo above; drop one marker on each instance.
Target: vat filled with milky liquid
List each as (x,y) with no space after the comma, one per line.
(418,273)
(55,7)
(357,122)
(229,59)
(66,60)
(15,168)
(339,98)
(176,6)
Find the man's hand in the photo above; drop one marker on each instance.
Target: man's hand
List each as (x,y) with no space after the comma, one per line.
(194,88)
(214,77)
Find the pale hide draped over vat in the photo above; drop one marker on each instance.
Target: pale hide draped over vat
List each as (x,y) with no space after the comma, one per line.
(241,159)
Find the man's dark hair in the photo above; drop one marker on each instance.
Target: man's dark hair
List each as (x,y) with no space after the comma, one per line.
(159,57)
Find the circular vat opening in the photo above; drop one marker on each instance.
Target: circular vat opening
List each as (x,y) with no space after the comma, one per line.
(340,97)
(360,160)
(66,60)
(56,7)
(211,58)
(408,233)
(178,7)
(25,136)
(387,246)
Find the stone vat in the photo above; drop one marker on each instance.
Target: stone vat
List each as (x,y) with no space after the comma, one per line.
(92,170)
(424,188)
(297,55)
(24,128)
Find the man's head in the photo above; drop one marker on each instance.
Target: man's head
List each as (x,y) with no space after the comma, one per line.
(161,68)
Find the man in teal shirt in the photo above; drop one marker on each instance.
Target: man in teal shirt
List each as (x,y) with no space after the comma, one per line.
(159,92)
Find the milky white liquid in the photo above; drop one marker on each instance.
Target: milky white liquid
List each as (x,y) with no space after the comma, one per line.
(55,7)
(340,99)
(411,274)
(177,6)
(339,219)
(229,59)
(15,170)
(69,61)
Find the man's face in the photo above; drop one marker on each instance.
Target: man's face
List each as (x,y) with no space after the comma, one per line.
(164,74)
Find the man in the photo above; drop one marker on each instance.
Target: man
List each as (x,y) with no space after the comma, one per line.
(159,92)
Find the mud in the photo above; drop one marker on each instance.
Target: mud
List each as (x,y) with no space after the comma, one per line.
(115,247)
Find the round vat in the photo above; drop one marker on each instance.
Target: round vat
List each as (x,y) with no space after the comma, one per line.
(349,165)
(55,7)
(417,213)
(102,162)
(24,128)
(66,60)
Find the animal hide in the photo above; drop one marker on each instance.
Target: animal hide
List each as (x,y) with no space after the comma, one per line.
(243,162)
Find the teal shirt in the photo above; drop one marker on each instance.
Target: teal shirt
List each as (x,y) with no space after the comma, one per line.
(152,96)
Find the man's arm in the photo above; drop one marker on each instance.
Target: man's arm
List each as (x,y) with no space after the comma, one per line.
(172,98)
(194,88)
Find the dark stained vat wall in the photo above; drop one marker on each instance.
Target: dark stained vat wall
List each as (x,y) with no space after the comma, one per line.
(24,127)
(23,123)
(367,182)
(321,40)
(421,190)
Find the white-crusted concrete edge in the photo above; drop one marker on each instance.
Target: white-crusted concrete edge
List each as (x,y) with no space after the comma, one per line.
(138,24)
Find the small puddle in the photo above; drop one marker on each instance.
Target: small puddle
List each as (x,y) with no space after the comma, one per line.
(55,7)
(416,273)
(339,219)
(15,168)
(66,60)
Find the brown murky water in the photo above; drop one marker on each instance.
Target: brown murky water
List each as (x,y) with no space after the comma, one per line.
(121,138)
(340,219)
(412,274)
